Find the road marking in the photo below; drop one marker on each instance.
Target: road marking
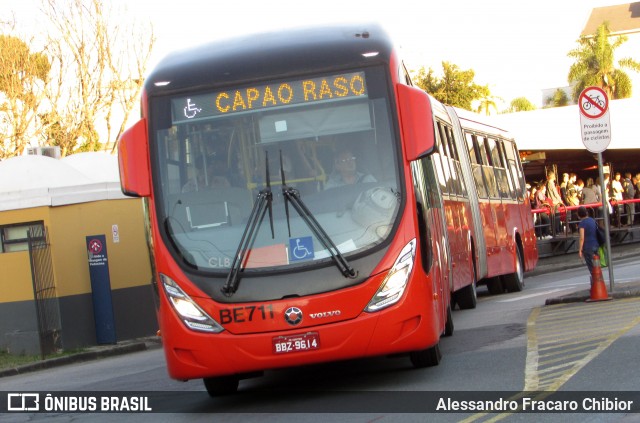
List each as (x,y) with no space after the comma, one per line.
(562,339)
(524,297)
(557,333)
(558,288)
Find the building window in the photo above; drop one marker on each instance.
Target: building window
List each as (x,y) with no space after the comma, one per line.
(16,237)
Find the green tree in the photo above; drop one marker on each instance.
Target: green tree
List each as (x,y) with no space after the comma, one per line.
(23,75)
(520,104)
(455,87)
(487,103)
(595,65)
(558,99)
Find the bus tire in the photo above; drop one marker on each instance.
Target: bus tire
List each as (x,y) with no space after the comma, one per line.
(448,326)
(467,297)
(221,385)
(426,358)
(494,285)
(515,281)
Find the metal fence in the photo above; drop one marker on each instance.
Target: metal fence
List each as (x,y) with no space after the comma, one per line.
(557,230)
(44,290)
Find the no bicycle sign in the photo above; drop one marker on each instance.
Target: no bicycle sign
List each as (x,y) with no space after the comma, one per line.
(595,125)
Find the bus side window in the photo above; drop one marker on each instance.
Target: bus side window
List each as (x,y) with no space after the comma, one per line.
(456,158)
(487,168)
(498,168)
(476,165)
(437,159)
(454,162)
(446,162)
(507,174)
(513,164)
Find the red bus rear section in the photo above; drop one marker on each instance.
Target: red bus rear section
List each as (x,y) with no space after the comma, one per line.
(312,207)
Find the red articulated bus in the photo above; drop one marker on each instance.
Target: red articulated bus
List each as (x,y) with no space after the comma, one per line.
(305,203)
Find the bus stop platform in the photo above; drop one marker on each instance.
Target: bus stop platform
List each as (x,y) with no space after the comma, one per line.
(572,261)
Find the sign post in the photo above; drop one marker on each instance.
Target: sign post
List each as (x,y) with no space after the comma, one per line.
(101,289)
(595,129)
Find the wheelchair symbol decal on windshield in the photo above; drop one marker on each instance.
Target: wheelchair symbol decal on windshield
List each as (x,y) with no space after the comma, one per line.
(191,110)
(301,248)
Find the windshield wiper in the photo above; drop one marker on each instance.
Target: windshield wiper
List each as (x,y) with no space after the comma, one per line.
(262,204)
(293,195)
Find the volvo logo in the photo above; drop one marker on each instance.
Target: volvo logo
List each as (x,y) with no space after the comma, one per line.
(325,314)
(293,315)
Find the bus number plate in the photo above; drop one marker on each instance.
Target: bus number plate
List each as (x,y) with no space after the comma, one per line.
(295,343)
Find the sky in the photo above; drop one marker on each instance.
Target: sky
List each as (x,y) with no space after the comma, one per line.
(517,48)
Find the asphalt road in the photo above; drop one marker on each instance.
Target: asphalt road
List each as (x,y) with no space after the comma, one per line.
(509,345)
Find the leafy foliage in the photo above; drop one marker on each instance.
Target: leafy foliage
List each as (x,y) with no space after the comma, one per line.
(23,75)
(521,104)
(19,65)
(558,99)
(455,87)
(595,65)
(486,104)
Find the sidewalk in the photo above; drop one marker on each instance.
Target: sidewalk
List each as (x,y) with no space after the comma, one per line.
(571,261)
(545,265)
(91,353)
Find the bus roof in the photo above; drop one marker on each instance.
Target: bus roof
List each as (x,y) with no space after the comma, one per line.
(478,122)
(258,56)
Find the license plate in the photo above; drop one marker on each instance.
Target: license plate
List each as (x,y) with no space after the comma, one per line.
(296,343)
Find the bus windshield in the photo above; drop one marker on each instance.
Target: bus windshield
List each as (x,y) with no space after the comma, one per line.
(325,141)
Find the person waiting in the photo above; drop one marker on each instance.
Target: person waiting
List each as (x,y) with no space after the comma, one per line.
(543,224)
(554,198)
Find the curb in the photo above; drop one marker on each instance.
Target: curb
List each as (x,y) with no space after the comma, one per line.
(554,264)
(583,296)
(94,353)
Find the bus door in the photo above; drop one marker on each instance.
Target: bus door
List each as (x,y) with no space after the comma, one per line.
(489,198)
(433,236)
(518,213)
(503,237)
(456,207)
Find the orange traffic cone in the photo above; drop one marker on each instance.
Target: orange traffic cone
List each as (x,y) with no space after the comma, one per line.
(598,289)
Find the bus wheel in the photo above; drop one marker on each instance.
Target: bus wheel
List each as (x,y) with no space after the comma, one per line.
(448,326)
(467,297)
(426,358)
(222,385)
(515,281)
(494,285)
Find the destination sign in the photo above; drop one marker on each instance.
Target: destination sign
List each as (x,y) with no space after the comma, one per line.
(252,98)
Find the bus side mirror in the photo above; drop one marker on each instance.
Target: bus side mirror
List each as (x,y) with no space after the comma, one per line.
(416,117)
(133,150)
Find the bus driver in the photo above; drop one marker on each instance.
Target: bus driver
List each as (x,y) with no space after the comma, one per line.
(345,171)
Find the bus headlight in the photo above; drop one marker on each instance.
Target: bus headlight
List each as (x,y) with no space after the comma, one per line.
(396,281)
(191,314)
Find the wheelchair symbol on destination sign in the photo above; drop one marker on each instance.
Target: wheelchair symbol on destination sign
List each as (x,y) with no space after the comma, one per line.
(191,110)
